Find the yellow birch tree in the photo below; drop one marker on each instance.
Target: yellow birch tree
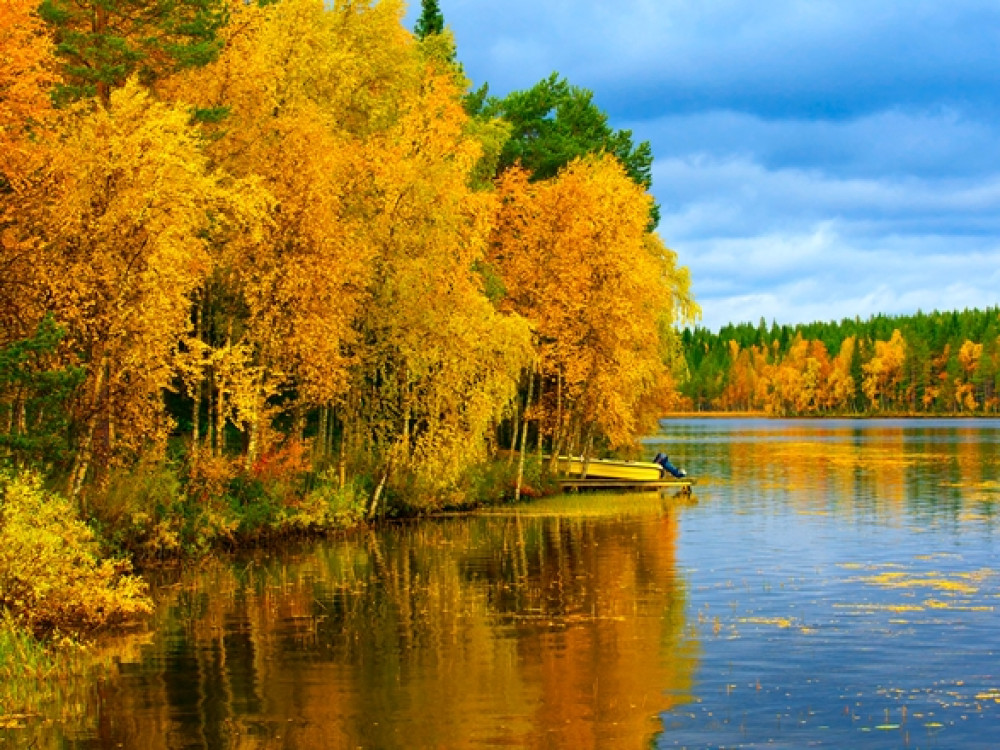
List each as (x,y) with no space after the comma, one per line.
(126,239)
(575,259)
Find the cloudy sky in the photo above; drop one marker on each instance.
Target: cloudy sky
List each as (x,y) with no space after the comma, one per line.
(814,159)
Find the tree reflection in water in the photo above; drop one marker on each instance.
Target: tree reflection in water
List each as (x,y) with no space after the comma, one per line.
(491,630)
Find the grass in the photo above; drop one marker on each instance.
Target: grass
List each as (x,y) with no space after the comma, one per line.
(25,668)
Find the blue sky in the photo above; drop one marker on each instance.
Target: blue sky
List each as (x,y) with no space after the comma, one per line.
(814,160)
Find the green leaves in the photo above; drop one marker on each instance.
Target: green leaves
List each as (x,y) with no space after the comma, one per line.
(555,122)
(35,388)
(431,20)
(102,42)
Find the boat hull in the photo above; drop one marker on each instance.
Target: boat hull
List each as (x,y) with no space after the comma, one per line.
(600,468)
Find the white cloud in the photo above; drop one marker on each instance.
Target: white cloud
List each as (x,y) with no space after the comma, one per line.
(815,159)
(824,276)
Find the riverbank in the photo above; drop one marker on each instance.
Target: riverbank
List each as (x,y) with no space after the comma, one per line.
(71,572)
(851,544)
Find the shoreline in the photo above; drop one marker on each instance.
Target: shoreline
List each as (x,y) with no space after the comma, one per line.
(765,415)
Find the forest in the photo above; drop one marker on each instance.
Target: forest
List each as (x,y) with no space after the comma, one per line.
(926,363)
(278,268)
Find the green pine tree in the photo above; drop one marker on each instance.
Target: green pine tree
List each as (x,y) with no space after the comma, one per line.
(554,123)
(431,20)
(103,42)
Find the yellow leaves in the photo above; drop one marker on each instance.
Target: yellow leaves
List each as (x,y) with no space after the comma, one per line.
(306,220)
(575,259)
(781,622)
(50,572)
(806,380)
(884,372)
(127,246)
(901,580)
(444,359)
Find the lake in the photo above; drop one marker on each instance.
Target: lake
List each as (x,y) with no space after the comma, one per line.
(831,583)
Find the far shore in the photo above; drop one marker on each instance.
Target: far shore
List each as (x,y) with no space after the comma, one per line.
(877,415)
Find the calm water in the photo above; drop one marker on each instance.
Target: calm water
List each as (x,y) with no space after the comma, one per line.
(833,584)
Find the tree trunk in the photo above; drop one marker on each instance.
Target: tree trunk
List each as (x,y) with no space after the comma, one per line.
(524,435)
(21,422)
(515,426)
(84,455)
(342,454)
(253,438)
(588,447)
(558,432)
(218,422)
(377,492)
(538,419)
(196,407)
(319,449)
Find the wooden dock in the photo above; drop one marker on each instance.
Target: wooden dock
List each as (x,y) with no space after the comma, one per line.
(576,483)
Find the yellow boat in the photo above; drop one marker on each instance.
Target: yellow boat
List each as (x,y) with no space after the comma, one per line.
(605,468)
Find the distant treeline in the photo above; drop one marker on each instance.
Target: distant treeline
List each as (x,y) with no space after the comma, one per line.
(927,363)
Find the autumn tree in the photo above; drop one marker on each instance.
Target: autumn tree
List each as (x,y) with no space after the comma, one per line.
(841,388)
(554,123)
(969,356)
(439,363)
(884,371)
(279,317)
(943,368)
(26,62)
(738,393)
(575,259)
(26,119)
(127,241)
(363,300)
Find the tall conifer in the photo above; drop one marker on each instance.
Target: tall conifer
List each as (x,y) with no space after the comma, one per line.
(431,19)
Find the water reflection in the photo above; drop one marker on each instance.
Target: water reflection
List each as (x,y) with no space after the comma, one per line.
(835,585)
(500,630)
(844,577)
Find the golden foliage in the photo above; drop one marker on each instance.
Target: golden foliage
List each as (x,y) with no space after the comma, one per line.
(576,260)
(304,226)
(26,60)
(443,361)
(126,247)
(51,573)
(805,381)
(884,371)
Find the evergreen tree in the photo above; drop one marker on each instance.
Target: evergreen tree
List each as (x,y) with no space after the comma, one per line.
(431,20)
(553,123)
(103,42)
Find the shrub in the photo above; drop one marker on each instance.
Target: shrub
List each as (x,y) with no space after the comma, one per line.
(140,510)
(328,505)
(51,575)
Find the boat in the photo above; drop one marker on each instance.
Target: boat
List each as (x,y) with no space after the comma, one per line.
(606,468)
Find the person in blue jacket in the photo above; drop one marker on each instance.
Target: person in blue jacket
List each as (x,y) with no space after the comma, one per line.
(668,467)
